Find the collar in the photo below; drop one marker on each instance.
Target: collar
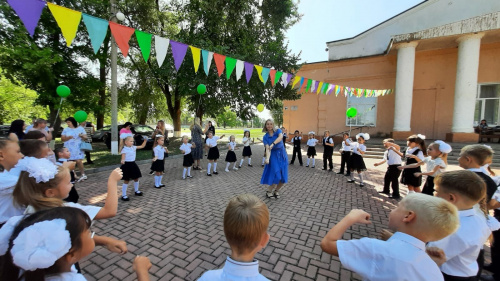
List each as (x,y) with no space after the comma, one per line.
(62,160)
(243,269)
(408,239)
(466,213)
(476,170)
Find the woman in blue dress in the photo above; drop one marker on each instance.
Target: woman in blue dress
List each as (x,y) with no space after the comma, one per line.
(276,170)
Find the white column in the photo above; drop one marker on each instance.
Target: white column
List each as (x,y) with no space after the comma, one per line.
(404,86)
(466,83)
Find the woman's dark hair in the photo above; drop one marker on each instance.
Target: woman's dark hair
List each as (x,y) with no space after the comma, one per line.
(77,221)
(421,143)
(32,148)
(127,124)
(34,135)
(246,132)
(72,120)
(17,127)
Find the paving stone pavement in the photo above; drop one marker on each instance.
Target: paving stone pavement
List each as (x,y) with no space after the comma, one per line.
(179,227)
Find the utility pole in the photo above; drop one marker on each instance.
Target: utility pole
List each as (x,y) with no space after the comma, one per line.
(114,87)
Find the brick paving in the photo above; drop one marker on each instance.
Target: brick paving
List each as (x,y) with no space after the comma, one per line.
(179,227)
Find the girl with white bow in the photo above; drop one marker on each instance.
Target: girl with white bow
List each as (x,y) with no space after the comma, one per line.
(415,152)
(436,163)
(45,245)
(356,162)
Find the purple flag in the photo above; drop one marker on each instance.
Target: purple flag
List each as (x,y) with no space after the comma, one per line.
(248,71)
(29,11)
(316,83)
(178,51)
(288,78)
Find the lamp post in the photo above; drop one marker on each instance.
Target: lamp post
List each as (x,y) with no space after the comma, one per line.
(114,87)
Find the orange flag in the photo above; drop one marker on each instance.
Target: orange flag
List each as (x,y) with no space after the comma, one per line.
(272,74)
(122,35)
(219,62)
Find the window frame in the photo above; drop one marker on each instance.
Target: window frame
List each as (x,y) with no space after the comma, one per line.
(359,125)
(483,104)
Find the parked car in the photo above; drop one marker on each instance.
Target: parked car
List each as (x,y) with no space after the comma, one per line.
(139,132)
(4,131)
(101,134)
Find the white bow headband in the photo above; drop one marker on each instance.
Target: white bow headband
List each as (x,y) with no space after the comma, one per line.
(365,136)
(312,133)
(443,147)
(42,170)
(421,136)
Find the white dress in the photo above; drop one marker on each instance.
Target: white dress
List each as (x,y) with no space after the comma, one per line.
(73,145)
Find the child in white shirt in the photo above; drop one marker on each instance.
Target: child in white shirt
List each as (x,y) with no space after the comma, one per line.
(213,152)
(231,156)
(188,161)
(247,151)
(311,148)
(10,154)
(130,169)
(159,160)
(356,162)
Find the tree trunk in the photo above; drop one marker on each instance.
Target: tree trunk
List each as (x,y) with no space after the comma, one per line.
(174,108)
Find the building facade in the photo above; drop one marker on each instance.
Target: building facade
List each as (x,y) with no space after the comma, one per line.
(442,58)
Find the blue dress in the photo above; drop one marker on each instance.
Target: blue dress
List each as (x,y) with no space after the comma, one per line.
(277,169)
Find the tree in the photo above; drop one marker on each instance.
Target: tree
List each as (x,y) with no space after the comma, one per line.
(227,118)
(276,108)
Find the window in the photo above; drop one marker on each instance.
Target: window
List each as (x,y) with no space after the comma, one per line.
(487,104)
(367,111)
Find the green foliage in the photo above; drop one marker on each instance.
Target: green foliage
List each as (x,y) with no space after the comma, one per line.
(276,108)
(228,118)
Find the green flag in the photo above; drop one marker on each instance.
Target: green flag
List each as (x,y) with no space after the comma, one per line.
(277,77)
(309,83)
(230,65)
(144,40)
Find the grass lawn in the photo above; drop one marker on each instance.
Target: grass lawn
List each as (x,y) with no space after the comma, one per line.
(237,132)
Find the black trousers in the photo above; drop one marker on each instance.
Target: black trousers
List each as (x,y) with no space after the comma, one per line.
(87,155)
(392,177)
(457,278)
(327,157)
(344,162)
(298,151)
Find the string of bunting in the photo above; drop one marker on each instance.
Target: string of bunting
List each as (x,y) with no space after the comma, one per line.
(29,11)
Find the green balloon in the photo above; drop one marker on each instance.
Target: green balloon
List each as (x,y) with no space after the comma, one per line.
(351,112)
(80,116)
(201,89)
(63,91)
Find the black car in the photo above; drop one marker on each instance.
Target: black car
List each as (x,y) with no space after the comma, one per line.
(139,132)
(101,134)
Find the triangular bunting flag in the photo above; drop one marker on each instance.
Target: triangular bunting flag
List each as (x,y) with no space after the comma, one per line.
(259,72)
(319,87)
(97,29)
(272,75)
(330,89)
(144,40)
(196,57)
(219,62)
(288,78)
(239,69)
(313,86)
(296,80)
(308,84)
(161,49)
(265,74)
(122,35)
(277,77)
(67,19)
(29,11)
(325,88)
(230,65)
(248,71)
(207,60)
(178,52)
(337,90)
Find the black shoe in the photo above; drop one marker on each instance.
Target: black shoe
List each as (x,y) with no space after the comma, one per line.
(249,165)
(347,175)
(125,198)
(138,193)
(269,194)
(394,197)
(276,195)
(306,166)
(162,185)
(361,184)
(313,167)
(330,170)
(157,186)
(209,175)
(340,173)
(239,166)
(351,181)
(215,173)
(262,165)
(385,192)
(151,172)
(300,165)
(188,176)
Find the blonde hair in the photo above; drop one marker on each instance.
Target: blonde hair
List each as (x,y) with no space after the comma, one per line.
(437,217)
(388,140)
(245,221)
(264,130)
(126,138)
(479,152)
(184,137)
(443,155)
(232,136)
(463,182)
(196,122)
(28,192)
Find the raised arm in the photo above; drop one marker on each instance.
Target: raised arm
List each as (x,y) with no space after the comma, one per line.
(111,204)
(143,144)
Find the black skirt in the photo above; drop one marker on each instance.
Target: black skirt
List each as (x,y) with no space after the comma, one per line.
(247,151)
(429,186)
(357,163)
(213,153)
(408,178)
(158,165)
(188,160)
(311,151)
(231,156)
(130,171)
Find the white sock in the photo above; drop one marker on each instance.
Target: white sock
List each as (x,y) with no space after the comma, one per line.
(124,189)
(208,167)
(352,176)
(241,162)
(159,180)
(189,171)
(215,167)
(136,186)
(360,177)
(308,161)
(227,165)
(263,160)
(184,172)
(249,161)
(156,181)
(234,165)
(314,162)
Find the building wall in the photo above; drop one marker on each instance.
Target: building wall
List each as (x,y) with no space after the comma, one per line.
(433,96)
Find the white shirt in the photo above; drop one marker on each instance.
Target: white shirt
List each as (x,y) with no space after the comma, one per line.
(462,247)
(212,142)
(90,210)
(159,152)
(356,147)
(73,132)
(186,147)
(432,163)
(129,153)
(234,271)
(231,145)
(346,147)
(312,142)
(392,157)
(420,154)
(65,276)
(246,141)
(402,257)
(8,180)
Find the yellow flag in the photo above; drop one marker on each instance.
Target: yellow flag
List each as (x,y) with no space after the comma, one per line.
(196,57)
(67,19)
(259,71)
(295,81)
(320,85)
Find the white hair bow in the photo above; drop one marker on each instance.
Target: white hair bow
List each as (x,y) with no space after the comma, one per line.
(40,245)
(443,147)
(6,232)
(312,133)
(42,170)
(365,136)
(421,136)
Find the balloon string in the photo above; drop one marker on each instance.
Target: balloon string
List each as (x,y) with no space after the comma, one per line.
(57,115)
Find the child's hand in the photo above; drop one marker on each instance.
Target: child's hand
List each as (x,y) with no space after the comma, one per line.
(117,174)
(359,216)
(117,246)
(154,159)
(437,255)
(123,162)
(417,175)
(141,264)
(411,156)
(385,234)
(376,164)
(400,168)
(69,165)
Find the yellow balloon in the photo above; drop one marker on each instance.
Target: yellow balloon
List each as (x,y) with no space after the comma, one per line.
(260,107)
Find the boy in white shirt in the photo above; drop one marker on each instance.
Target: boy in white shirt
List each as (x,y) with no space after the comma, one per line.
(245,236)
(417,220)
(464,189)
